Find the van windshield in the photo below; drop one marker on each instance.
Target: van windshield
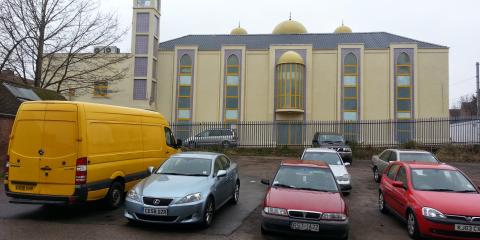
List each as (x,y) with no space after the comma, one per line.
(186,166)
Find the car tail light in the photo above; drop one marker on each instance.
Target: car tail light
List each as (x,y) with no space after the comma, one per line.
(81,171)
(7,167)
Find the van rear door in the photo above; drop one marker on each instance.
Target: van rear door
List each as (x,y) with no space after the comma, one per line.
(60,143)
(46,146)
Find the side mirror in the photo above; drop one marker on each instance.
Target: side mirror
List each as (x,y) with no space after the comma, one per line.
(150,170)
(179,143)
(265,181)
(221,173)
(347,164)
(398,184)
(375,156)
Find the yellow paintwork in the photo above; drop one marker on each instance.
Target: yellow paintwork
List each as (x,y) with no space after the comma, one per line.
(289,27)
(117,142)
(291,57)
(239,31)
(343,29)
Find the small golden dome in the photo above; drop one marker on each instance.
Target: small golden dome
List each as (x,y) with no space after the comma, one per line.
(239,31)
(343,29)
(290,27)
(291,57)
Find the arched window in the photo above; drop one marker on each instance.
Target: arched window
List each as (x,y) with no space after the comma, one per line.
(232,89)
(290,72)
(404,87)
(404,97)
(350,88)
(184,96)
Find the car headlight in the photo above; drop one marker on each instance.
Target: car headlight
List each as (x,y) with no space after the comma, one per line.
(275,211)
(133,196)
(343,178)
(334,217)
(194,197)
(432,213)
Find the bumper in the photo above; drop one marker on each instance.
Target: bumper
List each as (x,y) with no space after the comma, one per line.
(445,229)
(184,213)
(345,187)
(79,196)
(328,229)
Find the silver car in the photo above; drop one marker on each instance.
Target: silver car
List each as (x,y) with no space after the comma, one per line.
(335,161)
(187,188)
(380,162)
(222,136)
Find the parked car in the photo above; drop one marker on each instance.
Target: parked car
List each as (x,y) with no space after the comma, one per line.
(224,137)
(333,141)
(304,199)
(73,152)
(333,159)
(187,188)
(380,162)
(436,200)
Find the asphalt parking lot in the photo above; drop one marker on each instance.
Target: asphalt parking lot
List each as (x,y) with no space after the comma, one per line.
(232,222)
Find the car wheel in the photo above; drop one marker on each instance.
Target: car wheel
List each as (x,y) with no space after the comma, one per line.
(192,144)
(236,193)
(412,226)
(376,175)
(115,196)
(381,204)
(208,213)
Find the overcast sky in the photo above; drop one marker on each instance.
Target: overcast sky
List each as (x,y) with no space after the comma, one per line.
(455,24)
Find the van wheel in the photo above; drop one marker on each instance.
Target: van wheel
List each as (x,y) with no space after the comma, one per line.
(115,195)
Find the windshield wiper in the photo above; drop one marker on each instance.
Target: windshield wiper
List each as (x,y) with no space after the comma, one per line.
(282,185)
(313,189)
(440,190)
(196,175)
(466,191)
(168,173)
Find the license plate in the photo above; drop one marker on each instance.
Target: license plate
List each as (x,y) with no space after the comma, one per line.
(305,226)
(156,211)
(466,228)
(24,187)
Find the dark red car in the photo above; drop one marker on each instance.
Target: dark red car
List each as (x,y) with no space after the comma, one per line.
(435,200)
(304,198)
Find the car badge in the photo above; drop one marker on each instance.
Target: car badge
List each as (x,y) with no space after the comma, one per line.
(469,219)
(156,202)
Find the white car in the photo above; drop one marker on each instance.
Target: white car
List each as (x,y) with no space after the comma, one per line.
(334,160)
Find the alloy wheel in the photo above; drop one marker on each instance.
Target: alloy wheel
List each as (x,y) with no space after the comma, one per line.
(237,192)
(209,213)
(376,176)
(411,224)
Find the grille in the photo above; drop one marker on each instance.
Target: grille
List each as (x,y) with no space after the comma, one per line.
(156,218)
(304,214)
(151,201)
(466,219)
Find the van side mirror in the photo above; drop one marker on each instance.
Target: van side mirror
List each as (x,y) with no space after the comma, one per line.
(150,170)
(221,173)
(179,143)
(265,181)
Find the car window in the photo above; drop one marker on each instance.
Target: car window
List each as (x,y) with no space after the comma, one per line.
(330,138)
(385,156)
(186,166)
(417,157)
(306,178)
(391,172)
(227,133)
(215,133)
(402,176)
(331,158)
(169,138)
(204,134)
(393,156)
(218,166)
(441,180)
(225,162)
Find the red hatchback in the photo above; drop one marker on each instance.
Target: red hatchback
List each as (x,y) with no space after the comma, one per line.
(304,198)
(436,200)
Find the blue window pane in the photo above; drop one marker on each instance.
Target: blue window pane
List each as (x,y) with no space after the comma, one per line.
(349,104)
(350,92)
(232,103)
(404,105)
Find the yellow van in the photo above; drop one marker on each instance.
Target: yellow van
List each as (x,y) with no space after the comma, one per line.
(71,152)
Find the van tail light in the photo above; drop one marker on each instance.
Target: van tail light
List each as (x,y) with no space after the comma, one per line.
(7,167)
(81,171)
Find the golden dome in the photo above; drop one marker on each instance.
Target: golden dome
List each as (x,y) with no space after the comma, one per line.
(343,29)
(291,57)
(289,27)
(239,31)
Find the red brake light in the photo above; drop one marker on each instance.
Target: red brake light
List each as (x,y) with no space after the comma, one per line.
(81,171)
(7,167)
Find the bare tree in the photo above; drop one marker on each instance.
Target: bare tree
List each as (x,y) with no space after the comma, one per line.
(51,42)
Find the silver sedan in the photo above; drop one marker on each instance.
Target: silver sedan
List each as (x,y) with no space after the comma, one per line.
(187,188)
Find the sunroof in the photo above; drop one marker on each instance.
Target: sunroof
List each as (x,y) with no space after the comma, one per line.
(22,93)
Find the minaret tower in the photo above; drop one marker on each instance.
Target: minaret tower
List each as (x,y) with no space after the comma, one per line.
(145,38)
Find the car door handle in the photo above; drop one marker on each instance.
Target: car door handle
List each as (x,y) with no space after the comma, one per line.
(46,168)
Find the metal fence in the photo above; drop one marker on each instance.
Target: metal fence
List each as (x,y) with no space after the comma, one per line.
(375,133)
